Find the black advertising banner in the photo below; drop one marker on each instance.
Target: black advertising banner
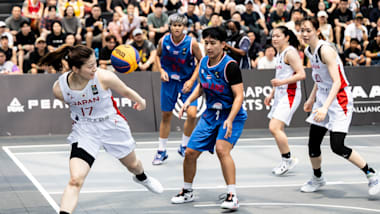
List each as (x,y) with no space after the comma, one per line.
(27,105)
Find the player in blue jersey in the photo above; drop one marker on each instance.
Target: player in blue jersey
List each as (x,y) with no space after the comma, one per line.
(176,54)
(222,123)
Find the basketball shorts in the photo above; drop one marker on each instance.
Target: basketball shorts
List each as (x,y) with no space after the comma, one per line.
(169,94)
(339,114)
(210,129)
(285,104)
(113,134)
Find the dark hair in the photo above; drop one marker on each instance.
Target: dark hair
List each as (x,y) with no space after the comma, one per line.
(217,33)
(280,2)
(210,6)
(65,11)
(159,5)
(270,46)
(354,40)
(24,22)
(192,3)
(109,37)
(194,33)
(2,51)
(74,55)
(16,6)
(293,40)
(214,14)
(52,7)
(96,5)
(4,37)
(55,21)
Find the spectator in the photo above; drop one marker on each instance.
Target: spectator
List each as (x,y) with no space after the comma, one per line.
(375,30)
(3,32)
(358,31)
(297,5)
(215,20)
(14,21)
(237,44)
(268,61)
(10,53)
(342,18)
(71,24)
(147,7)
(252,19)
(78,7)
(147,51)
(70,39)
(53,3)
(115,27)
(373,50)
(354,55)
(129,23)
(295,16)
(157,24)
(7,67)
(94,26)
(33,9)
(88,5)
(324,27)
(255,50)
(106,51)
(56,38)
(40,51)
(237,18)
(172,6)
(46,22)
(122,5)
(193,20)
(374,15)
(206,18)
(25,43)
(280,16)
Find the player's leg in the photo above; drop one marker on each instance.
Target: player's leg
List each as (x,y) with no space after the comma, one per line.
(188,128)
(135,166)
(80,165)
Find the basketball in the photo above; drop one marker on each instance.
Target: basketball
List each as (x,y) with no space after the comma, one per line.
(125,59)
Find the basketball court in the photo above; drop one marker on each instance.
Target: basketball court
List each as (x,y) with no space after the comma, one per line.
(34,172)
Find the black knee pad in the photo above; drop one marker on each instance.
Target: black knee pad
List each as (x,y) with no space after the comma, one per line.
(316,134)
(81,154)
(337,144)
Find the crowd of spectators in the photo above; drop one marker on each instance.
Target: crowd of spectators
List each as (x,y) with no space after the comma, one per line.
(39,26)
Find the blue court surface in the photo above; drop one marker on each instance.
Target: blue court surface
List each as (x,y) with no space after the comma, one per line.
(34,172)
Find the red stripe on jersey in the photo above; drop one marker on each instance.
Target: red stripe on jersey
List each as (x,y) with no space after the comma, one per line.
(342,95)
(117,110)
(291,93)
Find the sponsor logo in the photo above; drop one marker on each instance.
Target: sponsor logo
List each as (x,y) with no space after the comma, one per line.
(15,106)
(217,106)
(201,107)
(366,101)
(94,89)
(175,52)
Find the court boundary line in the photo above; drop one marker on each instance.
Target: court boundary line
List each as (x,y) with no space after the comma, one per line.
(34,181)
(179,141)
(294,204)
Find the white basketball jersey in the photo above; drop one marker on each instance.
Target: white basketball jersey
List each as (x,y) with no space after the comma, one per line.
(320,71)
(92,102)
(285,71)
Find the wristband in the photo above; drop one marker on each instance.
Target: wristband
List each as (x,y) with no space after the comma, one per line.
(378,54)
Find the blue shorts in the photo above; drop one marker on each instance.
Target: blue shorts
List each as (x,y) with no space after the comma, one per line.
(169,94)
(210,129)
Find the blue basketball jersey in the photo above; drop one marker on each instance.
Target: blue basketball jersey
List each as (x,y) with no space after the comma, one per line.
(177,59)
(214,83)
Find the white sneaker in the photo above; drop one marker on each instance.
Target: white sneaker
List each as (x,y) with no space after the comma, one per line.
(231,202)
(183,197)
(313,184)
(285,165)
(151,184)
(373,183)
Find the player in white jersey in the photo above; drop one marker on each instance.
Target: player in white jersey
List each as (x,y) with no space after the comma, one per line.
(331,105)
(96,120)
(286,93)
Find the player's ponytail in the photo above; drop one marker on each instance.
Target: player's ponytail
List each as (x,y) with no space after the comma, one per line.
(74,55)
(293,40)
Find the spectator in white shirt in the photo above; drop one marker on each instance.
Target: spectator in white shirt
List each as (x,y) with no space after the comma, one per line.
(356,30)
(268,61)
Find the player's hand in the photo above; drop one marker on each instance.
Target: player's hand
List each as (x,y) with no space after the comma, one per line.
(183,109)
(276,82)
(227,124)
(139,106)
(308,106)
(267,100)
(187,86)
(320,114)
(164,76)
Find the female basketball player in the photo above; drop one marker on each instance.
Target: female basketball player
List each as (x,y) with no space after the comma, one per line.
(222,123)
(331,104)
(286,93)
(96,120)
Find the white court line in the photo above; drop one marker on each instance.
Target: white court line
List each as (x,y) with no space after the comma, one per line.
(172,149)
(295,204)
(29,175)
(210,187)
(178,141)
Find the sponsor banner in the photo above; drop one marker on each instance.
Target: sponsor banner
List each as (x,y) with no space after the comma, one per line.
(28,107)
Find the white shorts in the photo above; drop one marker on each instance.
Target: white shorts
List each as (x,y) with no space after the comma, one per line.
(339,114)
(113,134)
(284,105)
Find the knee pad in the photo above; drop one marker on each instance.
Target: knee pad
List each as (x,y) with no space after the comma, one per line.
(337,144)
(80,153)
(316,135)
